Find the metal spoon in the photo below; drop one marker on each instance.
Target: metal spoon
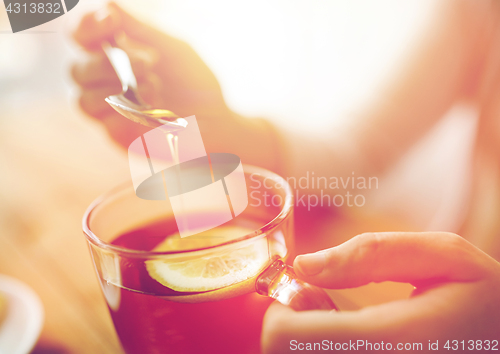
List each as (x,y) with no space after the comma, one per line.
(129,103)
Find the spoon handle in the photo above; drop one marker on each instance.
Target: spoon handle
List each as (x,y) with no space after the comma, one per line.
(120,61)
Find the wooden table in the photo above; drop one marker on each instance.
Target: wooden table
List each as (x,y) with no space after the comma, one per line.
(52,168)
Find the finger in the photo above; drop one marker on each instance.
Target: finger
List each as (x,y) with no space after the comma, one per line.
(174,52)
(440,312)
(134,28)
(92,101)
(282,326)
(97,27)
(94,29)
(393,256)
(97,71)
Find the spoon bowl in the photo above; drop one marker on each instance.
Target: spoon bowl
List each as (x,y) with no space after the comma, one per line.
(129,103)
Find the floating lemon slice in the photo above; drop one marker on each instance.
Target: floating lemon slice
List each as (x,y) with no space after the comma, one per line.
(212,271)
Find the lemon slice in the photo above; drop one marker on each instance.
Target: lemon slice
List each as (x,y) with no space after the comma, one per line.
(204,239)
(212,271)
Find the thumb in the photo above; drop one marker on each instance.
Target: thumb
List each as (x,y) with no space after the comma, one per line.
(102,25)
(415,258)
(135,28)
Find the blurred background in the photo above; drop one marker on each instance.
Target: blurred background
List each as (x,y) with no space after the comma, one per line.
(307,65)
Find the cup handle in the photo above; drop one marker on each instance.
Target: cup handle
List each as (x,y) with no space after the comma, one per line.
(280,282)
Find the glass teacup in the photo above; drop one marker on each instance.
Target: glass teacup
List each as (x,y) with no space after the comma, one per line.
(203,293)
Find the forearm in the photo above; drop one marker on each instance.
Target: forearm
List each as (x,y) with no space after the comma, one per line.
(417,95)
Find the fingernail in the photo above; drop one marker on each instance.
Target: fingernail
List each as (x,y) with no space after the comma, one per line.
(312,263)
